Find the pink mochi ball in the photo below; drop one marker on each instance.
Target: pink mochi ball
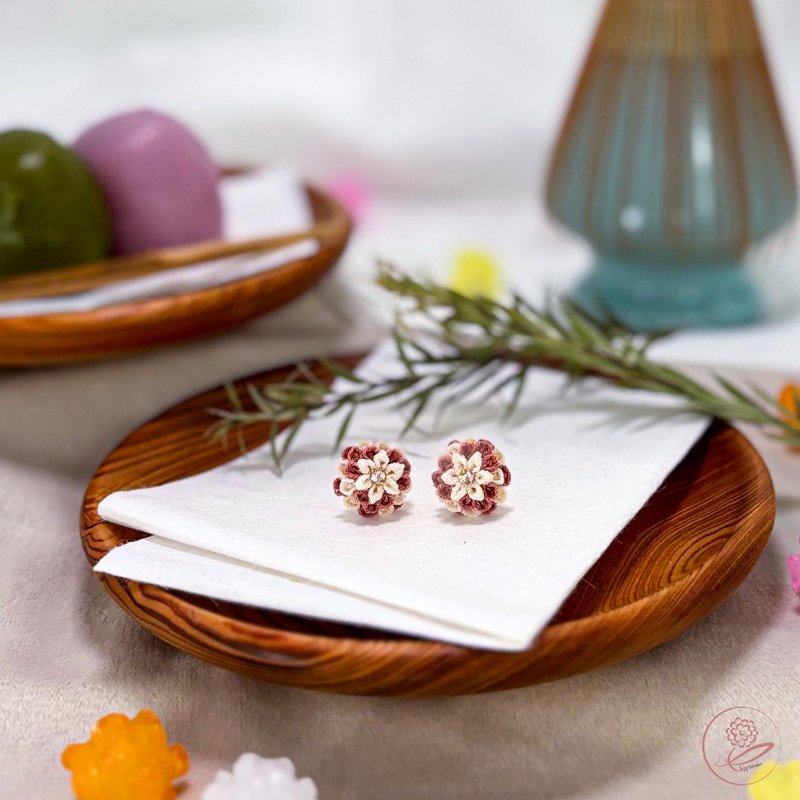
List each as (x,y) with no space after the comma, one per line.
(160,184)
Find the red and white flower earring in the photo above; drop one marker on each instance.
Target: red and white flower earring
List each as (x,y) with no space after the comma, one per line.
(374,479)
(471,477)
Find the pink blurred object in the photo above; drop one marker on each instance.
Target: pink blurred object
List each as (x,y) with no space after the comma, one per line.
(352,193)
(158,179)
(793,563)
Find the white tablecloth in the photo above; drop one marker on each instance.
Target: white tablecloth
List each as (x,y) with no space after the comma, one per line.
(68,654)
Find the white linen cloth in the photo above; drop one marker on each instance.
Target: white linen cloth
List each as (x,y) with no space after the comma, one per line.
(582,464)
(265,203)
(69,655)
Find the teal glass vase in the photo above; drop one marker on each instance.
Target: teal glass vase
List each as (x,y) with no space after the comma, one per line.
(672,161)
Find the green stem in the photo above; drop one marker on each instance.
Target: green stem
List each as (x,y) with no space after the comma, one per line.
(462,345)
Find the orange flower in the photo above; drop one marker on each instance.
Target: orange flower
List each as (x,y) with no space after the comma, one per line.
(126,759)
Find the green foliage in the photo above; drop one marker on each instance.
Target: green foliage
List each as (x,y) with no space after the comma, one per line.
(450,345)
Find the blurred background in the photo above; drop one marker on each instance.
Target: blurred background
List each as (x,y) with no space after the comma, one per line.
(423,96)
(425,101)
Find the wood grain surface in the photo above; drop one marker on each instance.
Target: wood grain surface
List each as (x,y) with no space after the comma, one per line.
(684,553)
(138,325)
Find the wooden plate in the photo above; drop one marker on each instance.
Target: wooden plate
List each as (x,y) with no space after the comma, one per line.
(684,553)
(142,324)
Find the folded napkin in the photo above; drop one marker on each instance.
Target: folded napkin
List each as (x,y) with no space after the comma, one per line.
(163,562)
(257,205)
(583,464)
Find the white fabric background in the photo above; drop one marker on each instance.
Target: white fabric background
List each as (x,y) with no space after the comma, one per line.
(435,103)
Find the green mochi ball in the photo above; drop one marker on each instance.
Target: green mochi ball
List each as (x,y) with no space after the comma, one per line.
(51,211)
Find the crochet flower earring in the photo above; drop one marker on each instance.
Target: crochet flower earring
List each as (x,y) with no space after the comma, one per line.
(471,477)
(374,479)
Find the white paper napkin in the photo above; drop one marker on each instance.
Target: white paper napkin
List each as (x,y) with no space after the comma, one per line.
(162,562)
(261,204)
(582,466)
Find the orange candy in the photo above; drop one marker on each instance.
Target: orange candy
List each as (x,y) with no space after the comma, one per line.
(126,759)
(788,399)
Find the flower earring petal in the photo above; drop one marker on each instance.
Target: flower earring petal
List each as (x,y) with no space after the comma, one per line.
(374,479)
(471,477)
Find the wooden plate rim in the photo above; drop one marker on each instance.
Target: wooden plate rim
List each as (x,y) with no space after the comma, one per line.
(279,640)
(27,340)
(151,305)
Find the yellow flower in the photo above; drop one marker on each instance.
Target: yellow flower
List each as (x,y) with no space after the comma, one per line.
(783,783)
(125,759)
(476,273)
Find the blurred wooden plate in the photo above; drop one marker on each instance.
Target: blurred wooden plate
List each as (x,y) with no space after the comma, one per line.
(137,325)
(683,554)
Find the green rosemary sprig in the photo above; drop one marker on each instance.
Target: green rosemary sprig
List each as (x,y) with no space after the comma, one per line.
(450,345)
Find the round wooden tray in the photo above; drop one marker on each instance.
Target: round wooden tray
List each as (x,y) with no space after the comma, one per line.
(142,324)
(684,553)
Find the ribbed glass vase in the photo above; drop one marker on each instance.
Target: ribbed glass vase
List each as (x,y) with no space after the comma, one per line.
(672,160)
